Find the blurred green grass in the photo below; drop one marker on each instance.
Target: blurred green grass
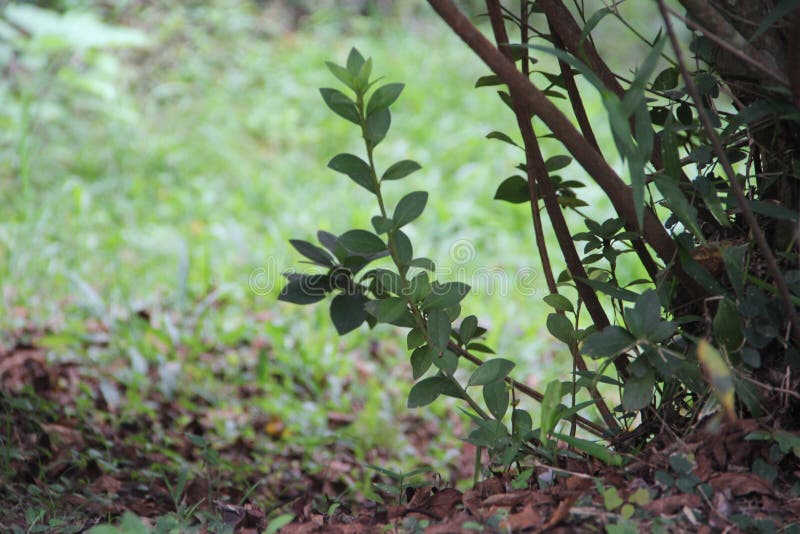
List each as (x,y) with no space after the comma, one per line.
(152,178)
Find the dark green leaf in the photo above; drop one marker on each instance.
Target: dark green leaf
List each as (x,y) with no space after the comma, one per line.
(500,136)
(340,104)
(438,329)
(312,252)
(521,421)
(514,189)
(488,81)
(638,392)
(382,224)
(414,339)
(388,309)
(708,193)
(611,341)
(389,280)
(561,328)
(496,397)
(609,289)
(559,302)
(304,289)
(684,113)
(491,371)
(377,125)
(727,326)
(405,252)
(556,163)
(421,360)
(361,242)
(423,263)
(480,347)
(401,169)
(645,314)
(680,207)
(409,208)
(347,312)
(445,295)
(467,329)
(426,390)
(446,361)
(667,79)
(383,97)
(598,450)
(354,167)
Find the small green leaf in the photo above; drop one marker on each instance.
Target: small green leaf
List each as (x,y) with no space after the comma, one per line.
(401,169)
(304,289)
(611,341)
(342,74)
(347,312)
(415,338)
(638,391)
(382,224)
(445,295)
(480,347)
(383,97)
(560,328)
(488,81)
(556,163)
(389,280)
(496,397)
(361,242)
(467,329)
(727,326)
(421,360)
(597,450)
(680,207)
(340,104)
(447,361)
(409,208)
(612,499)
(423,263)
(312,252)
(490,371)
(667,79)
(438,329)
(500,136)
(426,390)
(514,189)
(405,252)
(354,167)
(377,126)
(354,62)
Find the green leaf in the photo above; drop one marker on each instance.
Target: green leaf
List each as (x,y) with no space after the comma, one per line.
(377,126)
(426,390)
(409,208)
(445,295)
(401,169)
(480,347)
(638,391)
(496,397)
(415,338)
(382,224)
(389,280)
(304,289)
(361,242)
(438,329)
(467,329)
(447,361)
(678,205)
(423,263)
(354,167)
(597,450)
(560,328)
(500,136)
(727,326)
(645,314)
(556,163)
(521,421)
(612,499)
(388,309)
(488,81)
(593,21)
(667,79)
(354,62)
(347,312)
(421,360)
(405,252)
(710,197)
(383,97)
(340,104)
(611,290)
(611,341)
(361,81)
(312,252)
(491,371)
(342,74)
(514,189)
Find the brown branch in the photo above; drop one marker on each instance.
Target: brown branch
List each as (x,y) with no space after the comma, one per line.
(528,391)
(613,186)
(538,175)
(727,37)
(747,213)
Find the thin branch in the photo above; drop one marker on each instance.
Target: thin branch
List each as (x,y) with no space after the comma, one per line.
(747,213)
(538,175)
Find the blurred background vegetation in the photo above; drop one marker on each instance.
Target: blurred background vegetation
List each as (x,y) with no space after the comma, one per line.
(156,156)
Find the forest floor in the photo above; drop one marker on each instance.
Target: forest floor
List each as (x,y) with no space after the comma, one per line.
(74,461)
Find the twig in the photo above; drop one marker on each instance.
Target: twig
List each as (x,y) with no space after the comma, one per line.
(747,213)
